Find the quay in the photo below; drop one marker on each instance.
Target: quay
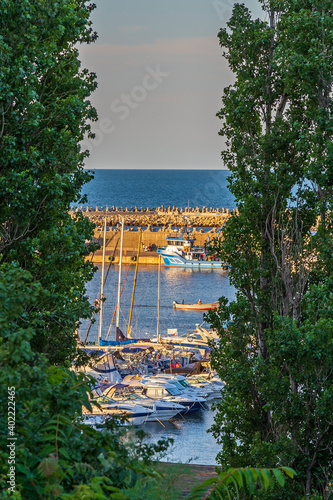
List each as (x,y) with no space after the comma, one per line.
(154,224)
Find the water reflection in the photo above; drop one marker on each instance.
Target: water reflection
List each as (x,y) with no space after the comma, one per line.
(192,443)
(176,284)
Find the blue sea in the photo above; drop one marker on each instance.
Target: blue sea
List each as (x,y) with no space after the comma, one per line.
(153,188)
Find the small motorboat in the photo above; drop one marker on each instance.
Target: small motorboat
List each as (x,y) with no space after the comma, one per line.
(161,390)
(195,307)
(105,407)
(162,410)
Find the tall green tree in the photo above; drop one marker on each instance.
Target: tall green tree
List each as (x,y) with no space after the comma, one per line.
(46,451)
(44,113)
(275,354)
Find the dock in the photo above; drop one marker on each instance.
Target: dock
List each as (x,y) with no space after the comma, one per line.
(155,224)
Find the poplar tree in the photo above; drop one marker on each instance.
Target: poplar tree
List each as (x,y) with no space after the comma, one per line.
(44,114)
(275,354)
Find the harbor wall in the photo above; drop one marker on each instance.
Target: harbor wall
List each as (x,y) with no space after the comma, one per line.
(154,224)
(159,217)
(150,237)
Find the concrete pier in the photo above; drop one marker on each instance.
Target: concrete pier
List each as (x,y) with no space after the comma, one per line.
(155,225)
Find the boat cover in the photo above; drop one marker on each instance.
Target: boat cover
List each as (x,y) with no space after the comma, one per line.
(116,342)
(190,369)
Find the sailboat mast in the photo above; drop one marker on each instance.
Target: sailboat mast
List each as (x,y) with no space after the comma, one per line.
(134,285)
(158,299)
(119,275)
(102,288)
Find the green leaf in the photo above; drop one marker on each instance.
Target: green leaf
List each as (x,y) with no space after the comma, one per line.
(64,452)
(288,471)
(238,475)
(268,481)
(279,477)
(209,482)
(251,477)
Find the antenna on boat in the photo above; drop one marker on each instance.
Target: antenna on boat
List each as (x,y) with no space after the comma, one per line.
(119,275)
(158,299)
(102,288)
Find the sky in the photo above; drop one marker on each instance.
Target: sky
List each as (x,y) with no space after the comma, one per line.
(160,75)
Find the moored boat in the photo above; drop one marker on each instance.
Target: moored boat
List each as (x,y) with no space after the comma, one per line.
(181,252)
(105,407)
(162,410)
(194,307)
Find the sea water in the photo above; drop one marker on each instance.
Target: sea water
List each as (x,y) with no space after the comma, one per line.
(153,188)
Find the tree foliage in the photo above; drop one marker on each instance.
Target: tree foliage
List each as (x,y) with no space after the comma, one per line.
(276,353)
(44,113)
(233,483)
(55,454)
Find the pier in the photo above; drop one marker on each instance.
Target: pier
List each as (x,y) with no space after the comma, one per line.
(155,224)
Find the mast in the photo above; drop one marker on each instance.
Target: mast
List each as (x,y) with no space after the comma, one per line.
(119,276)
(102,288)
(158,299)
(134,284)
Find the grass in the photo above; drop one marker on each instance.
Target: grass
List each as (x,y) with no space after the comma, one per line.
(176,483)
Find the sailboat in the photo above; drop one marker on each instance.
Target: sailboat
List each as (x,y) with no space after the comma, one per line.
(121,339)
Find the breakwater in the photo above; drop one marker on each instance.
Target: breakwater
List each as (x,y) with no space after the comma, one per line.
(155,224)
(160,216)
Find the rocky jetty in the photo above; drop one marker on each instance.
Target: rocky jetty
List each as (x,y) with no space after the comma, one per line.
(157,217)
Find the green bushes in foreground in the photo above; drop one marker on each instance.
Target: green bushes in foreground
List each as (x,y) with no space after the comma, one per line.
(52,454)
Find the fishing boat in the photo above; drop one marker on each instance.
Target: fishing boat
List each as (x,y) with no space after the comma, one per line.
(194,307)
(181,252)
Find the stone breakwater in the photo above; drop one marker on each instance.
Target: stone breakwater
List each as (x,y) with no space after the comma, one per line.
(160,216)
(155,224)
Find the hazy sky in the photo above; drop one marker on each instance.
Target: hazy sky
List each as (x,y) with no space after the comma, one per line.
(160,77)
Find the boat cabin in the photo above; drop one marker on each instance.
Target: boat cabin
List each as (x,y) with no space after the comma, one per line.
(160,391)
(182,242)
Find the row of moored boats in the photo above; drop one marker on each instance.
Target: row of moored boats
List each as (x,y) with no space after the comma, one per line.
(139,398)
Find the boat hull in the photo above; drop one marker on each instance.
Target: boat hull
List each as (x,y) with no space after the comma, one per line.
(178,261)
(164,414)
(192,406)
(194,307)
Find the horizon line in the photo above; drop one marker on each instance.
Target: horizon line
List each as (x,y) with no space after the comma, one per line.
(157,168)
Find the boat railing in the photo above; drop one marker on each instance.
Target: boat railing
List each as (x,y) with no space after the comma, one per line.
(197,249)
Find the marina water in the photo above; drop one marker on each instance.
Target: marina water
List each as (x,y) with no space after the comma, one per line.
(151,189)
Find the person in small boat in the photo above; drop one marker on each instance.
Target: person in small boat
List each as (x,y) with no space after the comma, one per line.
(183,301)
(199,301)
